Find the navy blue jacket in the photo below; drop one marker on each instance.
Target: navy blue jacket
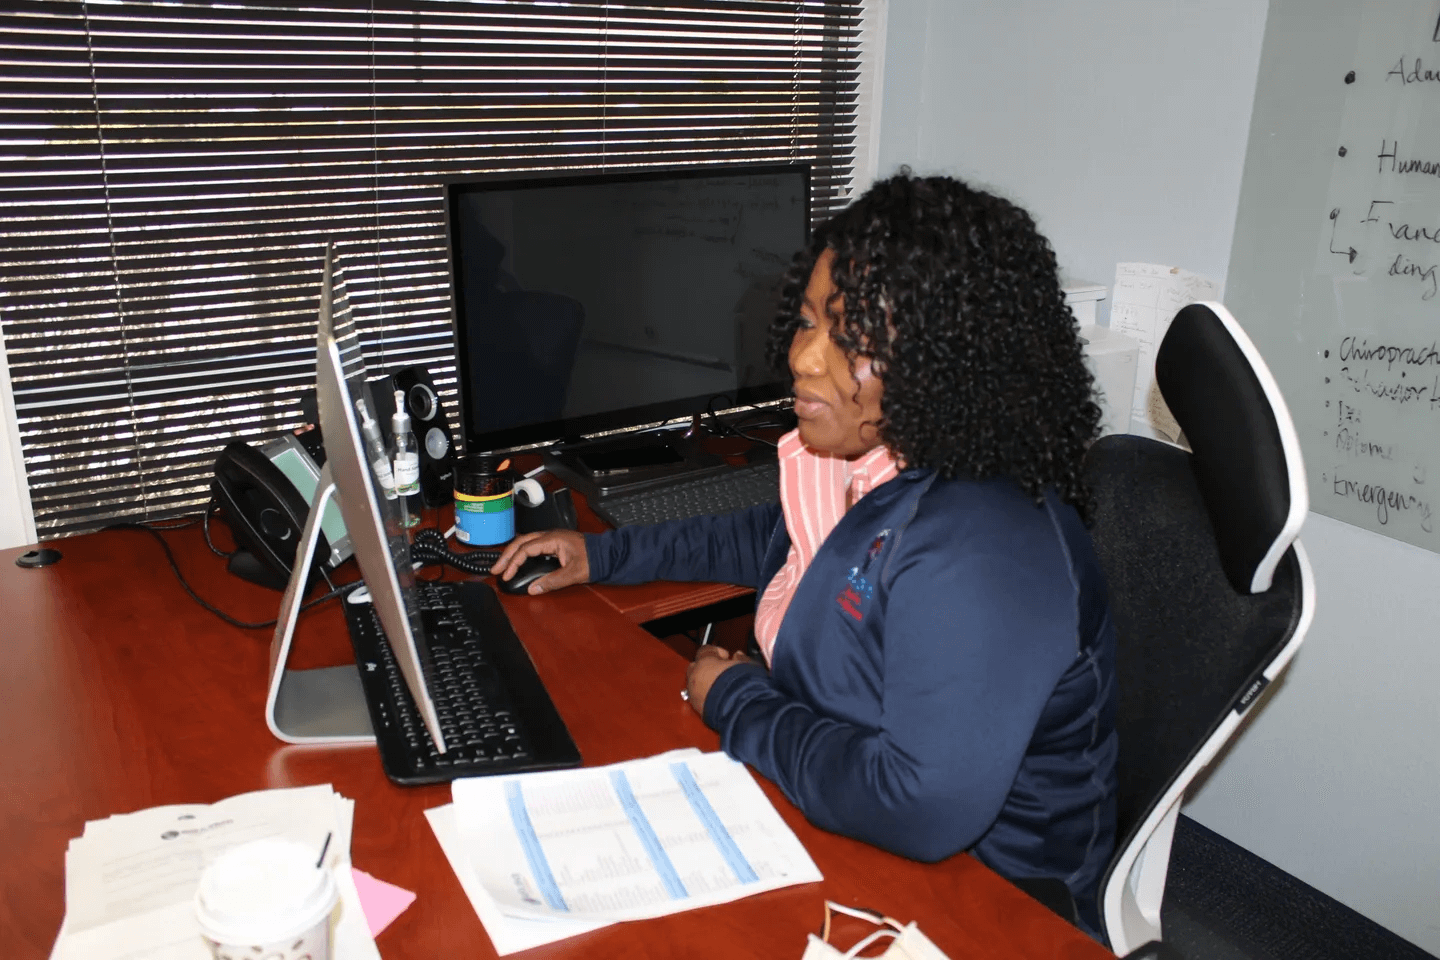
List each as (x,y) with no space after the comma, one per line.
(943,680)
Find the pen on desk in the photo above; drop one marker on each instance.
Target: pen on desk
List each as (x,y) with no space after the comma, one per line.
(323,849)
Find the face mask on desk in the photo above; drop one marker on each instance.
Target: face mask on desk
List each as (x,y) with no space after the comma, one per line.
(907,942)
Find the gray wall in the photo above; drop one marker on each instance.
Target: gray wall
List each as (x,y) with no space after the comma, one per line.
(1119,124)
(1123,126)
(17,526)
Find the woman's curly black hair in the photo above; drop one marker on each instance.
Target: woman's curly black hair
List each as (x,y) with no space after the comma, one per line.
(955,297)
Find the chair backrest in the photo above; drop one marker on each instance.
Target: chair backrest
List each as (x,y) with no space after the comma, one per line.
(1246,454)
(1208,589)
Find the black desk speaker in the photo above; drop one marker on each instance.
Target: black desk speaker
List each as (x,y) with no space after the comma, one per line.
(427,419)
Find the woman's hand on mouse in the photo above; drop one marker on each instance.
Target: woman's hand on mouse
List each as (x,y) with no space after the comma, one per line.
(567,546)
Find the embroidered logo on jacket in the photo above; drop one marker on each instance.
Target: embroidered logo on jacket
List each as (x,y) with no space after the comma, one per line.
(857,591)
(857,588)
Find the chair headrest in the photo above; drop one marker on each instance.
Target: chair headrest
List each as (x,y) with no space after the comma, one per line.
(1245,452)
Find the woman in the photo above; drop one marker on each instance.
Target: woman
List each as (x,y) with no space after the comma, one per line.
(939,669)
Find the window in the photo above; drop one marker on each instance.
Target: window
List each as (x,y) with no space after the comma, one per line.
(172,172)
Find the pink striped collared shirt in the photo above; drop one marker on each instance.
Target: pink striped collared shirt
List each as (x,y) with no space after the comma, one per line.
(813,490)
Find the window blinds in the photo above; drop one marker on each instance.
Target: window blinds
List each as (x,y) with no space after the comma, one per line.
(172,171)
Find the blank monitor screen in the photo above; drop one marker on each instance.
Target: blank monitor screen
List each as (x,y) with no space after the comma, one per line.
(588,303)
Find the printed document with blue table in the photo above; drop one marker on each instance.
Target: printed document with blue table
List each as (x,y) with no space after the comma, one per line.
(548,855)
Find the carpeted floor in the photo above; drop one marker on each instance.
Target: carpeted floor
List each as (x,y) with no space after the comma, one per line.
(1224,903)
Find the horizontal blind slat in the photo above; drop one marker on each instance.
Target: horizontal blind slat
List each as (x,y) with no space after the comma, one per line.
(170,174)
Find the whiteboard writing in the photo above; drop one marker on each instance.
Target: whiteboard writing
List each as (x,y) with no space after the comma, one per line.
(1371,429)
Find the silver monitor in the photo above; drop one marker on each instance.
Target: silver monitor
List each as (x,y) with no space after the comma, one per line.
(327,705)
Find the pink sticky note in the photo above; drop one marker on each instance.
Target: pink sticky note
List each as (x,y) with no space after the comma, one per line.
(382,902)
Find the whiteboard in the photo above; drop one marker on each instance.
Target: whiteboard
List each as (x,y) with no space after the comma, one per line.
(1335,268)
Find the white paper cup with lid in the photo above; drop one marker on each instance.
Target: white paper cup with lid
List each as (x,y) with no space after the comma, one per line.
(267,899)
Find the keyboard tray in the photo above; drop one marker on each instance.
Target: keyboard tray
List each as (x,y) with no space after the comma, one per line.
(734,488)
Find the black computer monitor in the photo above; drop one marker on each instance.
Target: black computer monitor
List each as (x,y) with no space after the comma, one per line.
(587,303)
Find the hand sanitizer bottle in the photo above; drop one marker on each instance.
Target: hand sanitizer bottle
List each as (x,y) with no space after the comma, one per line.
(375,450)
(405,457)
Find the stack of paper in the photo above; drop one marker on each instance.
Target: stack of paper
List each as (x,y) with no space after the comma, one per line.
(544,856)
(130,879)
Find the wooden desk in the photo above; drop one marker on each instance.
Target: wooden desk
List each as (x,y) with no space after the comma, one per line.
(118,692)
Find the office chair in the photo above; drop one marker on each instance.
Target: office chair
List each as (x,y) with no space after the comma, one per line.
(1209,588)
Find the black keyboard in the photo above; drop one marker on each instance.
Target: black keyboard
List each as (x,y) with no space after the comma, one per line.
(494,712)
(734,489)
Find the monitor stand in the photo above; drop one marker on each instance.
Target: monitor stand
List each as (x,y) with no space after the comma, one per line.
(325,704)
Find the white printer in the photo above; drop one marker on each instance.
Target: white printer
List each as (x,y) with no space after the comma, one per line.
(1112,357)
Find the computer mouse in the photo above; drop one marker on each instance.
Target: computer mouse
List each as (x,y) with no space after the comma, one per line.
(531,570)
